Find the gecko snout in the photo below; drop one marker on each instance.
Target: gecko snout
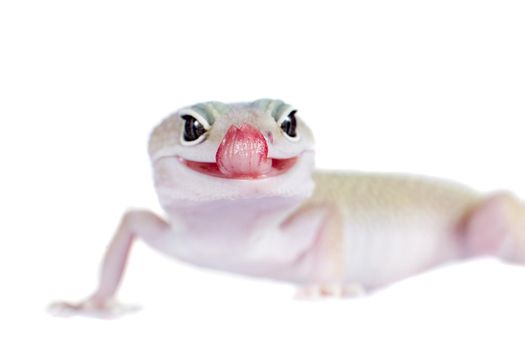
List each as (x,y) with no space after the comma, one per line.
(243,152)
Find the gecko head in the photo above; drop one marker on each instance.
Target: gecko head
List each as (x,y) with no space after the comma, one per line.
(218,150)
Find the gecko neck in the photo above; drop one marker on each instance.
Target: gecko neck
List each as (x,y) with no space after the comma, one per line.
(229,213)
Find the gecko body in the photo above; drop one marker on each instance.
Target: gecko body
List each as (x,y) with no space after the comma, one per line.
(240,194)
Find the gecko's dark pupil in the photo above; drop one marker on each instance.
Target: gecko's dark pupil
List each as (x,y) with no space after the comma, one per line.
(289,124)
(193,129)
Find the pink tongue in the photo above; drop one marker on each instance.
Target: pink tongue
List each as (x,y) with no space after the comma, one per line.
(243,153)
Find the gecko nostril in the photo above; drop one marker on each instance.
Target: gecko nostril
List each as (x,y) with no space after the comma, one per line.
(270,137)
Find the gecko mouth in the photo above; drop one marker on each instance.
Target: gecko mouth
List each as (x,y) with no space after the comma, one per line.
(278,167)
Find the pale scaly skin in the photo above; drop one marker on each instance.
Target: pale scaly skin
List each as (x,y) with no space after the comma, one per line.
(244,198)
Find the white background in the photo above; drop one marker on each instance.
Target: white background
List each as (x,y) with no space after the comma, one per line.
(407,86)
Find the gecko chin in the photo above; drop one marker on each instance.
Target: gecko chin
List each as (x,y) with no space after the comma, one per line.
(275,167)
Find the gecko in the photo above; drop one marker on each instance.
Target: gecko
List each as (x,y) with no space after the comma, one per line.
(241,194)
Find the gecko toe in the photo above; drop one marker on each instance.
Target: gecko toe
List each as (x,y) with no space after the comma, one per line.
(90,309)
(315,292)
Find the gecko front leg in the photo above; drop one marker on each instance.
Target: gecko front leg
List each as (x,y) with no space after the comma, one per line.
(137,223)
(324,257)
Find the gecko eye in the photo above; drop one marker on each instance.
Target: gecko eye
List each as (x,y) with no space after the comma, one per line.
(288,124)
(194,130)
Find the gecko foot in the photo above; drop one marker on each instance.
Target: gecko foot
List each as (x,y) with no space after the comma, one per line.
(313,292)
(90,308)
